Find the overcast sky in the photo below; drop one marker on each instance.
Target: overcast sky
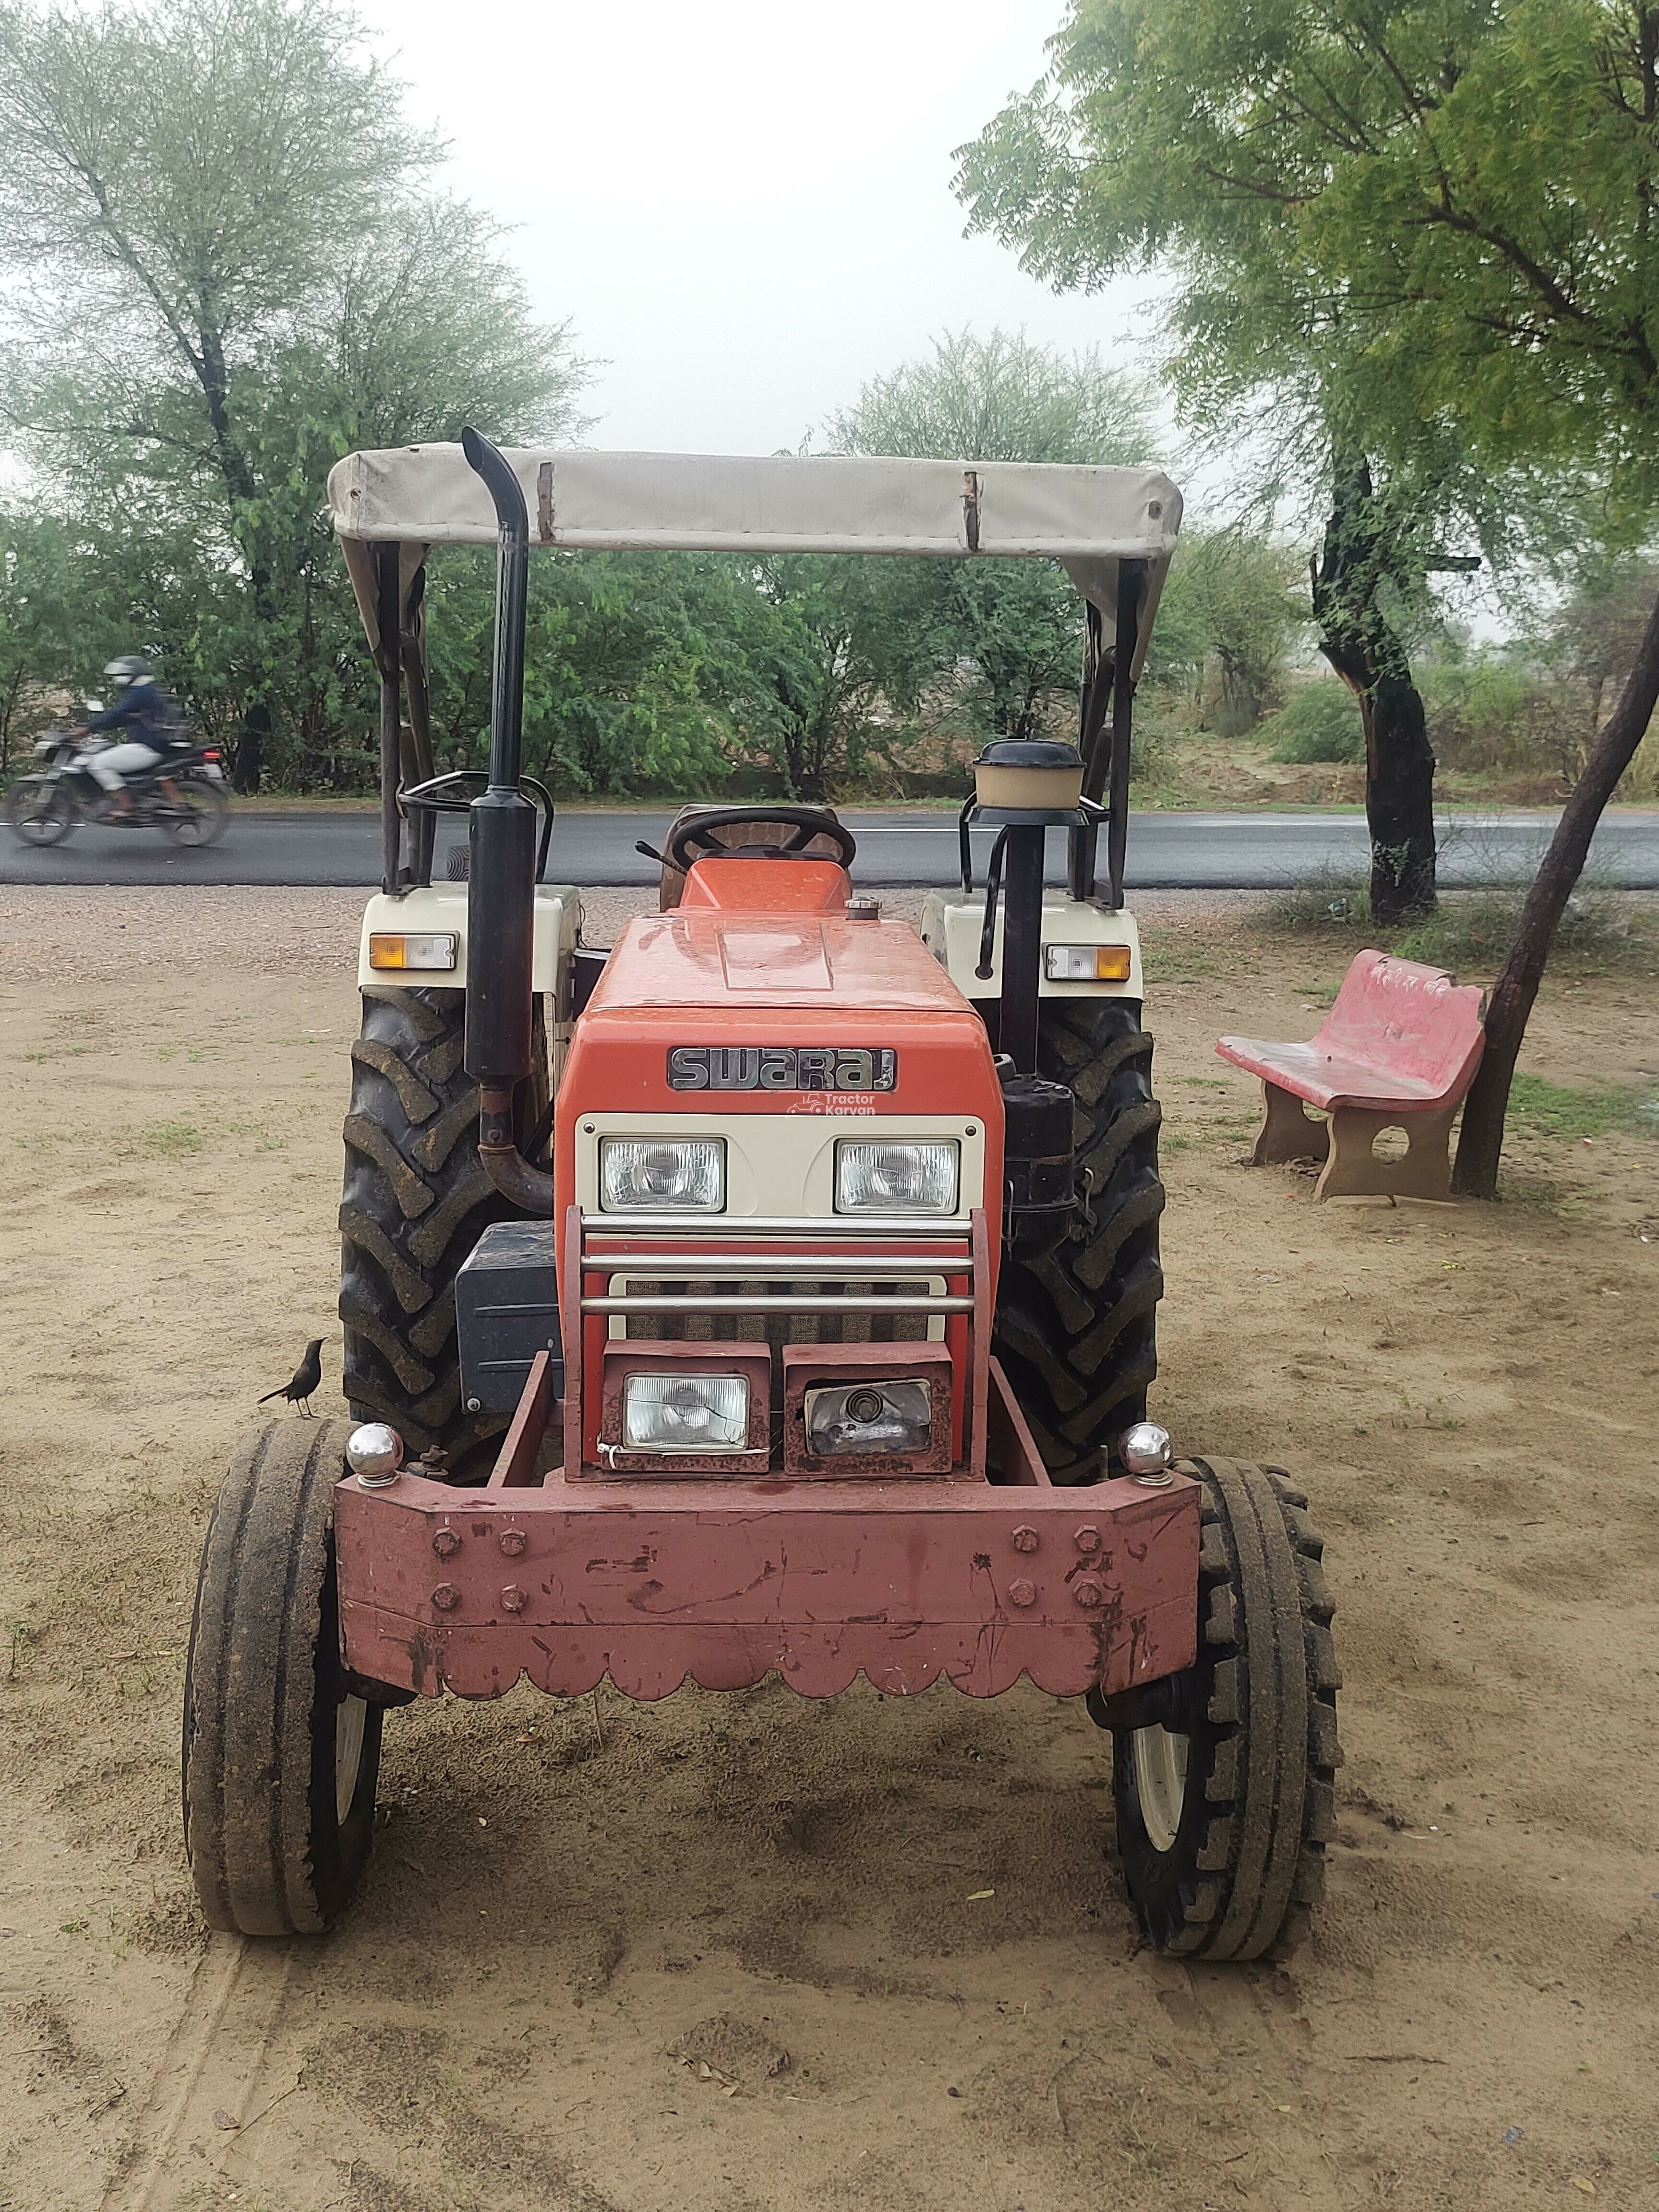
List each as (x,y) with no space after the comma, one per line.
(743,207)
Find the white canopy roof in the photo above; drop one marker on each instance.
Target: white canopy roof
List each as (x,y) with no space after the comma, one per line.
(1088,517)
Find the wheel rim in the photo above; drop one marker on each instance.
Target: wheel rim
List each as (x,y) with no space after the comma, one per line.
(350,1716)
(192,825)
(38,816)
(1160,1757)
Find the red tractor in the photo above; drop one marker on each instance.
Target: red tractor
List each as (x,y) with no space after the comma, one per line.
(774,1292)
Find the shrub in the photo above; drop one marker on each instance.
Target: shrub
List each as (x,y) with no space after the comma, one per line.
(1319,722)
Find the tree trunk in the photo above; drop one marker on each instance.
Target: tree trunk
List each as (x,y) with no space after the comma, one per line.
(1365,649)
(251,744)
(1481,1143)
(1399,800)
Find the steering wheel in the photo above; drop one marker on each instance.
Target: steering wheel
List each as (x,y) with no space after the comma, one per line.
(694,839)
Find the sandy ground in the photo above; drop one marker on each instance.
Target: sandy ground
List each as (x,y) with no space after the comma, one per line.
(723,1954)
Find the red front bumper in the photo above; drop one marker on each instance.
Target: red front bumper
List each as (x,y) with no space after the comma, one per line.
(724,1583)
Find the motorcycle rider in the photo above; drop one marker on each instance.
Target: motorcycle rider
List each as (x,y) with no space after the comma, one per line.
(149,712)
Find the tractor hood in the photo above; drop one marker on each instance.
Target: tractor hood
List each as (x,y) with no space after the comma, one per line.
(759,1013)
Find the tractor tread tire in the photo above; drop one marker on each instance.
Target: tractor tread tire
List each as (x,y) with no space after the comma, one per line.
(267,1850)
(1248,1863)
(415,1201)
(1076,1331)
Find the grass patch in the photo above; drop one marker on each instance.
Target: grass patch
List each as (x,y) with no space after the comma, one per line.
(1327,902)
(1470,931)
(1600,1110)
(161,1140)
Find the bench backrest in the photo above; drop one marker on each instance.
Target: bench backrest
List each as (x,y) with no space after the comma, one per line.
(1406,1017)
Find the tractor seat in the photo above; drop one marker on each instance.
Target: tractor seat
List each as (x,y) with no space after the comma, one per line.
(747,827)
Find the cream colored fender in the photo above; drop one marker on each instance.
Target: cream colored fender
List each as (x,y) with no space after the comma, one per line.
(439,912)
(951,922)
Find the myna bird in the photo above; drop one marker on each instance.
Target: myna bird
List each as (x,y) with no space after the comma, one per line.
(305,1377)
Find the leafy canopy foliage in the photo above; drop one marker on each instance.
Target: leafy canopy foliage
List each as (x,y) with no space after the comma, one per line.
(1015,627)
(230,267)
(1441,208)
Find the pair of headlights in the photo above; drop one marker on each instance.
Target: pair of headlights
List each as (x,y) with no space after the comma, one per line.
(639,1174)
(674,1414)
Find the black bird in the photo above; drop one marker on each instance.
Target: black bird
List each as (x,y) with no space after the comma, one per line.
(306,1375)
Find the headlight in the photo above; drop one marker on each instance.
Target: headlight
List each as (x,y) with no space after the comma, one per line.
(895,1178)
(644,1173)
(685,1412)
(869,1417)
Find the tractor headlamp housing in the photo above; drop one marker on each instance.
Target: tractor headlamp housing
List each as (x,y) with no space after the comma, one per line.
(685,1412)
(878,1416)
(897,1178)
(649,1174)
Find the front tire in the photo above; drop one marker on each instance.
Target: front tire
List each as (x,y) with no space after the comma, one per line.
(1076,1331)
(38,811)
(280,1758)
(1223,1816)
(415,1201)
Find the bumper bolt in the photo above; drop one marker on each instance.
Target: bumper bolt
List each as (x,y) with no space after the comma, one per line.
(445,1597)
(446,1543)
(513,1542)
(513,1599)
(1088,1592)
(1087,1539)
(1025,1539)
(1021,1592)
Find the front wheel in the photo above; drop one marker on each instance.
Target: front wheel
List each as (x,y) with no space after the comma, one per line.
(197,816)
(280,1758)
(40,811)
(1225,1805)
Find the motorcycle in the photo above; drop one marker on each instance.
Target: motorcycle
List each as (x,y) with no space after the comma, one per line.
(182,795)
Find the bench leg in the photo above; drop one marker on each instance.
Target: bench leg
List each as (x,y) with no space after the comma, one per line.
(1353,1171)
(1286,1132)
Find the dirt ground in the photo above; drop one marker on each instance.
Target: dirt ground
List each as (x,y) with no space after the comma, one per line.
(725,1954)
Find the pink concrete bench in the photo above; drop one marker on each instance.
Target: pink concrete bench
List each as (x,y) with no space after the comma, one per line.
(1398,1050)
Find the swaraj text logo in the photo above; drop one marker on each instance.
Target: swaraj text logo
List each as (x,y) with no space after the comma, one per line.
(781,1067)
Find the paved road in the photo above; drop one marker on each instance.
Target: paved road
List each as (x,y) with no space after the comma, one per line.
(1167,852)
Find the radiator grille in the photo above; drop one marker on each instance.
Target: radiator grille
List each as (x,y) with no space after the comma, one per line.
(774,1328)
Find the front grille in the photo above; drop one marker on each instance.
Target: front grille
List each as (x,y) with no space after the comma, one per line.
(775,1329)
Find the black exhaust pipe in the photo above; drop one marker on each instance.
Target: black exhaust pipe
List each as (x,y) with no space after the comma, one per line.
(501,897)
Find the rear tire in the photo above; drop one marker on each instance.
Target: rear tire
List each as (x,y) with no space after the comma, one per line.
(1222,1820)
(416,1199)
(1076,1332)
(280,1759)
(204,823)
(39,813)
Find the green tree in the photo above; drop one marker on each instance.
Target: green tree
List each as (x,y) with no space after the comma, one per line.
(1015,629)
(819,663)
(229,267)
(1137,151)
(1241,594)
(1439,211)
(40,643)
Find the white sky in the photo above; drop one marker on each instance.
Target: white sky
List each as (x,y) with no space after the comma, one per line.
(742,206)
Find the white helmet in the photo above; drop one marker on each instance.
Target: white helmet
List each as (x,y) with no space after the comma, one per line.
(130,668)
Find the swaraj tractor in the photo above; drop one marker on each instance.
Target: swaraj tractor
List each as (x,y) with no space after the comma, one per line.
(771,1293)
